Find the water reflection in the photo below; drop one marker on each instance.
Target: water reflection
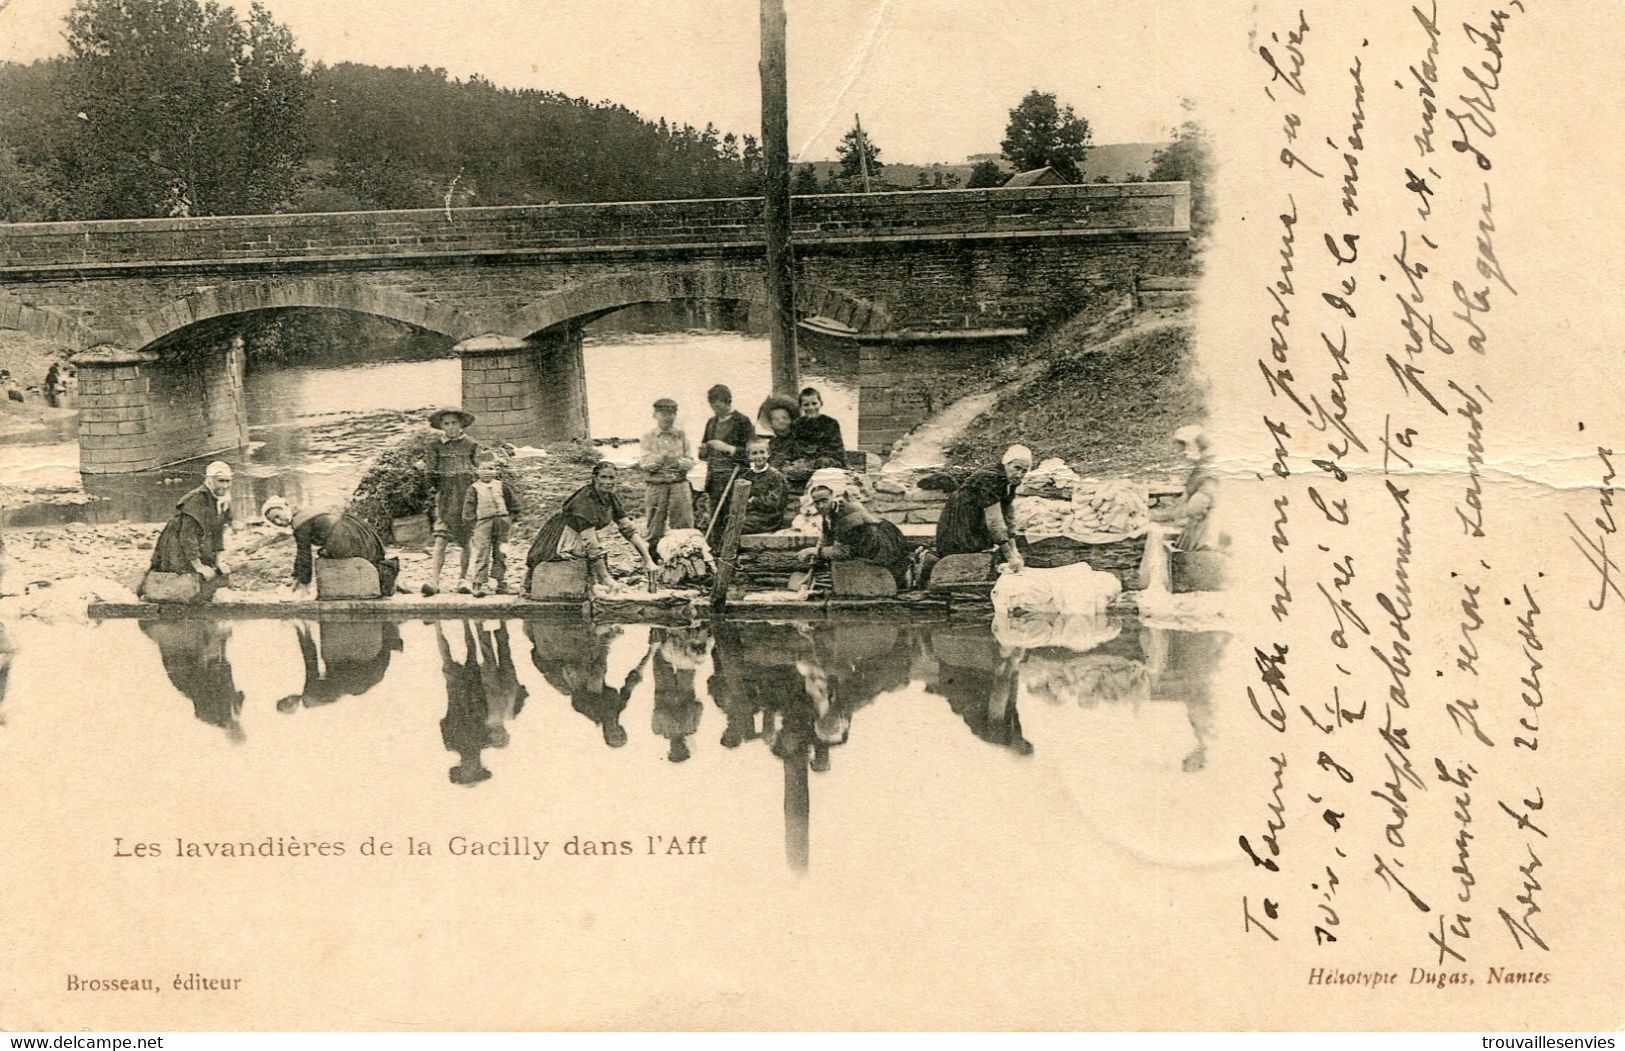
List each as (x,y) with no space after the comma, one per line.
(573,656)
(793,695)
(483,695)
(342,659)
(193,653)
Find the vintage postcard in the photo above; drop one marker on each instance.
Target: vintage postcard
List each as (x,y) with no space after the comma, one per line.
(810,514)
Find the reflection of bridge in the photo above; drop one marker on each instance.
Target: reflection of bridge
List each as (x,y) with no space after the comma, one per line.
(930,283)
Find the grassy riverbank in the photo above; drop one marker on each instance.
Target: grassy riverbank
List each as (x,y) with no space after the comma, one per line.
(1104,397)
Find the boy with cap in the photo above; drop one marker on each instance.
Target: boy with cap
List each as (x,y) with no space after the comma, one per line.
(665,464)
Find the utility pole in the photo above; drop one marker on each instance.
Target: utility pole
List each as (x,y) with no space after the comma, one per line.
(863,151)
(781,274)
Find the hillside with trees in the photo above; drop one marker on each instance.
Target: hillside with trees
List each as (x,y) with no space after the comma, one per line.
(177,107)
(180,107)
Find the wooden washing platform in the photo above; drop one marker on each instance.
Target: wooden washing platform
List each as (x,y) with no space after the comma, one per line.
(666,609)
(764,563)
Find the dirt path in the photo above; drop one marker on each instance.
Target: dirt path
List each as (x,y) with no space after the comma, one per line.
(926,444)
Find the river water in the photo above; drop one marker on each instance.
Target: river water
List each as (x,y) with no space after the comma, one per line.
(312,430)
(815,743)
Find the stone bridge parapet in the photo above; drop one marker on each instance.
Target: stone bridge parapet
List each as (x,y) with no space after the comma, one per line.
(928,281)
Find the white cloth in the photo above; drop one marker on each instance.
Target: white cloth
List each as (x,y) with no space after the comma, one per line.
(1074,590)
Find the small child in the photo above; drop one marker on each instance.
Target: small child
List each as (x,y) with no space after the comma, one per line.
(492,506)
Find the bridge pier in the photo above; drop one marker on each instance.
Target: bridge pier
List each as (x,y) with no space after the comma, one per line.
(116,434)
(526,390)
(140,410)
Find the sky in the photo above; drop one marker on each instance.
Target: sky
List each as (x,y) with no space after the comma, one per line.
(933,80)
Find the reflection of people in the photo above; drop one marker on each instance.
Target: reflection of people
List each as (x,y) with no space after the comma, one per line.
(665,462)
(1182,664)
(769,492)
(330,534)
(352,658)
(574,532)
(573,656)
(980,682)
(678,654)
(731,685)
(499,679)
(195,535)
(450,465)
(752,673)
(853,532)
(193,652)
(977,516)
(8,651)
(464,730)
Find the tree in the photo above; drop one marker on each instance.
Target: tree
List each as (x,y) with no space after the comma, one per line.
(1042,133)
(1189,158)
(182,109)
(25,194)
(856,147)
(984,175)
(806,181)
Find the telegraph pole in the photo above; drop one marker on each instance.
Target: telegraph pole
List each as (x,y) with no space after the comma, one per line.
(781,274)
(863,151)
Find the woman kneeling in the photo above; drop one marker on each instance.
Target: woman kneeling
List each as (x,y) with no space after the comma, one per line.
(330,534)
(574,532)
(853,532)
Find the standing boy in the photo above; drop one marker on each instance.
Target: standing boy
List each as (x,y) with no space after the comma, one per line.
(450,463)
(727,433)
(665,462)
(492,506)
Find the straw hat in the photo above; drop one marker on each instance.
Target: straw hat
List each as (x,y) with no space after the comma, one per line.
(438,417)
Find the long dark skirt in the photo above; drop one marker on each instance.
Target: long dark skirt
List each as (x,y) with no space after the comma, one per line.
(351,537)
(883,544)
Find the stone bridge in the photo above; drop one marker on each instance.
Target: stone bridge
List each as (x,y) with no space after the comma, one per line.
(926,283)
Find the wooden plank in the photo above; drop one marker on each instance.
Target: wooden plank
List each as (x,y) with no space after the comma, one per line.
(728,560)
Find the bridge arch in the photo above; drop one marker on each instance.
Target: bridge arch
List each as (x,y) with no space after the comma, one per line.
(325,293)
(589,300)
(70,332)
(142,404)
